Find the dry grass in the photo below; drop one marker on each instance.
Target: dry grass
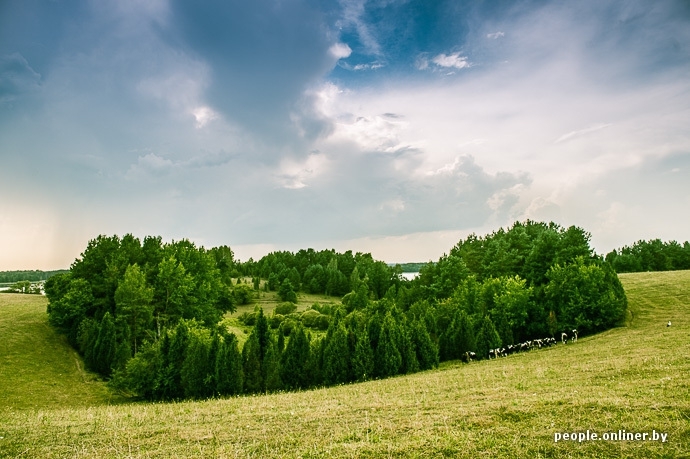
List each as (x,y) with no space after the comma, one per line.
(632,378)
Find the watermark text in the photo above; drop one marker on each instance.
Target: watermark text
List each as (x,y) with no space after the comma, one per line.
(619,435)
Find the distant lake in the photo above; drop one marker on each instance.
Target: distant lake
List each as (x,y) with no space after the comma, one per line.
(409,276)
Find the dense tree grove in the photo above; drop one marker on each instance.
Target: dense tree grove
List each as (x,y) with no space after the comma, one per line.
(652,255)
(148,314)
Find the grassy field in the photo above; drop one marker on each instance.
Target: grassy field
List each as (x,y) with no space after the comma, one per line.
(632,378)
(38,369)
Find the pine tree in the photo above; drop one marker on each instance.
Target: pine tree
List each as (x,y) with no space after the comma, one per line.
(271,369)
(286,292)
(197,366)
(251,362)
(262,332)
(105,346)
(409,363)
(487,338)
(363,358)
(295,360)
(229,374)
(387,358)
(464,336)
(170,377)
(336,358)
(425,349)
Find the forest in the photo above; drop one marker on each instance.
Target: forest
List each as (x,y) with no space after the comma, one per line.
(148,315)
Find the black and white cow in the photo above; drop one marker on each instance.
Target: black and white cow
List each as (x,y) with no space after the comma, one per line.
(564,338)
(574,338)
(469,356)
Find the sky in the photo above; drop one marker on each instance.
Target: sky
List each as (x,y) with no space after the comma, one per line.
(385,126)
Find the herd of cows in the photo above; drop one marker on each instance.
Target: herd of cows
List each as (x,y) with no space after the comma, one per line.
(523,347)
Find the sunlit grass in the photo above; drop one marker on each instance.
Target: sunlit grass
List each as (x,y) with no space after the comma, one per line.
(633,378)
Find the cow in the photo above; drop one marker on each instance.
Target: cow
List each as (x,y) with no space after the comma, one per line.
(574,338)
(468,357)
(668,324)
(564,338)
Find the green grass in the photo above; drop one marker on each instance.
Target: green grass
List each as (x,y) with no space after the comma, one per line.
(633,378)
(38,369)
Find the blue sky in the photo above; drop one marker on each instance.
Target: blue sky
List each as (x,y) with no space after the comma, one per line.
(391,127)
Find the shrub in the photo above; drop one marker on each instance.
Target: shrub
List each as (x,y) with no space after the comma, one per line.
(285,308)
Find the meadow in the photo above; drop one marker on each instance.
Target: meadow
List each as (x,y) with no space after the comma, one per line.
(632,378)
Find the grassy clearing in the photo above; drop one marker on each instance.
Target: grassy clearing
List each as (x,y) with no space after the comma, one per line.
(632,378)
(268,302)
(38,369)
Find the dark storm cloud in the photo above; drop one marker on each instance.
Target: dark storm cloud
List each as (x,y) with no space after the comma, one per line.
(262,56)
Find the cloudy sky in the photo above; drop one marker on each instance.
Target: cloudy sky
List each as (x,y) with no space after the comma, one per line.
(384,126)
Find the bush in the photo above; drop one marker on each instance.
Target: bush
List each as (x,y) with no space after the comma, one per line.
(247,318)
(276,320)
(285,308)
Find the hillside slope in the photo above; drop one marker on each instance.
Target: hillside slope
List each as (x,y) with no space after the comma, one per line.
(38,368)
(631,378)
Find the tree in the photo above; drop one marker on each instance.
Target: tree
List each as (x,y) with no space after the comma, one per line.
(105,346)
(68,310)
(286,292)
(425,349)
(588,297)
(173,293)
(270,368)
(251,362)
(363,358)
(295,359)
(387,358)
(133,303)
(198,366)
(229,375)
(336,357)
(487,338)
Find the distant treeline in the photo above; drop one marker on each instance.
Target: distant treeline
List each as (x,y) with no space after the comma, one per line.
(652,255)
(148,314)
(7,277)
(411,267)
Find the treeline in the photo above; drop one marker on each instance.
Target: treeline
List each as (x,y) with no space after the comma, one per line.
(411,267)
(122,294)
(652,255)
(148,313)
(7,277)
(326,272)
(191,361)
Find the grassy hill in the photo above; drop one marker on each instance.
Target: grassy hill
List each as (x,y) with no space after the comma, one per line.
(632,378)
(38,369)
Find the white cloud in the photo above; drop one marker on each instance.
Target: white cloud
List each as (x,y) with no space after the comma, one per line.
(495,35)
(340,51)
(203,116)
(454,60)
(581,132)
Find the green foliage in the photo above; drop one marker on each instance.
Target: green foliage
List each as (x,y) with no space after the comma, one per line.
(587,297)
(251,363)
(229,372)
(243,294)
(387,358)
(295,359)
(286,292)
(105,346)
(363,357)
(652,255)
(487,338)
(285,308)
(336,356)
(133,304)
(425,350)
(270,368)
